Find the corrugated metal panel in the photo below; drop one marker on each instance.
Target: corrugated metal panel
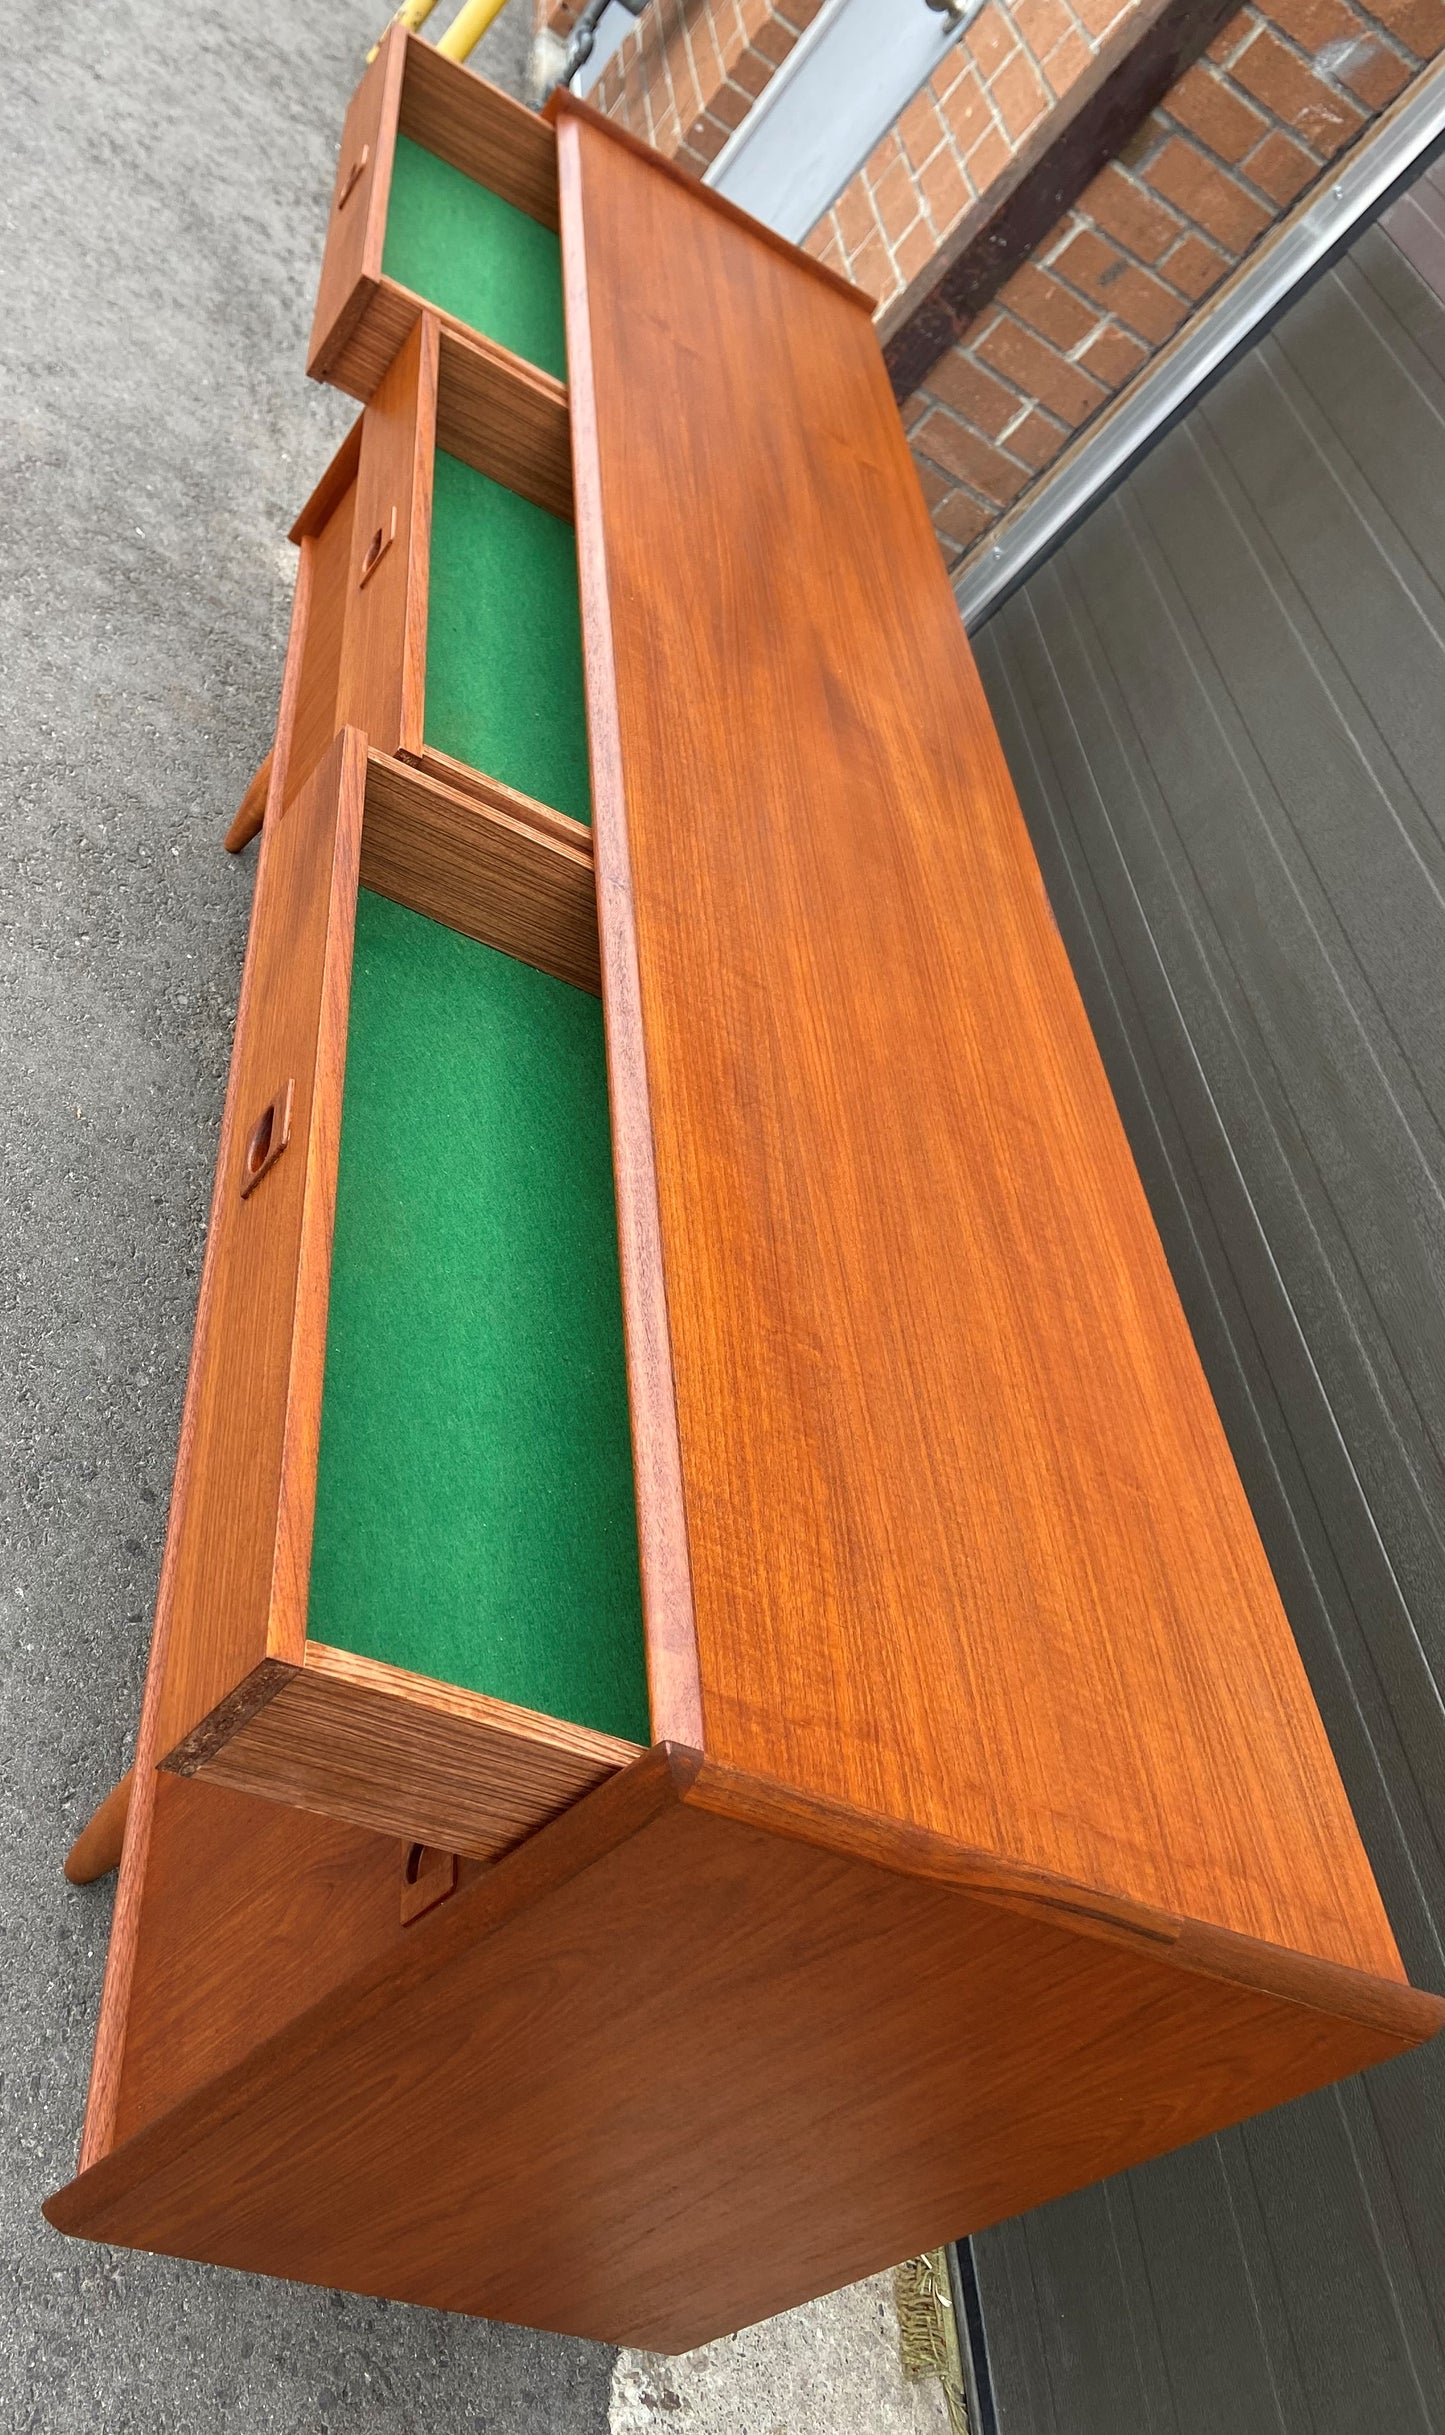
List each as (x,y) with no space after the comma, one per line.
(1223,701)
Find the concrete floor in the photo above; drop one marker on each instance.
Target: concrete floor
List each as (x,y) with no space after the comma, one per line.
(165,180)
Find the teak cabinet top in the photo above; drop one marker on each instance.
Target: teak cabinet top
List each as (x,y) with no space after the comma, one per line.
(948,1530)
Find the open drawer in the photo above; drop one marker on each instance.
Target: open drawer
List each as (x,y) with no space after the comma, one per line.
(437,604)
(401,1585)
(446,195)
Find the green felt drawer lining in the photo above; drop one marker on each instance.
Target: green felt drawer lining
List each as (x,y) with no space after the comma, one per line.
(474,256)
(504,687)
(474,1511)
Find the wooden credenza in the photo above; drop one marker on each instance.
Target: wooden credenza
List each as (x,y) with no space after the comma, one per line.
(717,1714)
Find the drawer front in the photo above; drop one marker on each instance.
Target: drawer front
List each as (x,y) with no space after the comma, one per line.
(351,264)
(234,1581)
(382,679)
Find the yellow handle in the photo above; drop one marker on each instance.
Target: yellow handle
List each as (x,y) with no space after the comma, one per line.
(411,14)
(468,26)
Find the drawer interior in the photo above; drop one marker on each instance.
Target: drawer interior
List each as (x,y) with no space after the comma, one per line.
(468,251)
(504,685)
(474,1512)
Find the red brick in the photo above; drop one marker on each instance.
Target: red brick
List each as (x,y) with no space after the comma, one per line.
(729,107)
(1145,141)
(957,381)
(872,268)
(920,129)
(1130,294)
(966,113)
(857,220)
(1281,168)
(1066,62)
(799,13)
(706,140)
(990,40)
(1041,24)
(946,191)
(1019,95)
(1231,38)
(774,41)
(1195,266)
(895,200)
(1278,78)
(1123,210)
(880,160)
(969,459)
(1420,24)
(1374,74)
(706,55)
(934,485)
(1047,307)
(1090,262)
(1212,110)
(1040,372)
(914,250)
(1313,23)
(952,65)
(1096,16)
(1205,193)
(961,520)
(988,160)
(1037,439)
(752,72)
(1113,357)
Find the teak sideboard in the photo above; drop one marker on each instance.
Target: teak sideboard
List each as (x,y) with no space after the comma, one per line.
(717,1714)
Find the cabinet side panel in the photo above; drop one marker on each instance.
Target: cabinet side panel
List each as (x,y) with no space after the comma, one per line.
(701,2079)
(318,677)
(216,1612)
(967,1545)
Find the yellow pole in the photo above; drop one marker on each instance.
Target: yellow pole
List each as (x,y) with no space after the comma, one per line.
(468,26)
(412,13)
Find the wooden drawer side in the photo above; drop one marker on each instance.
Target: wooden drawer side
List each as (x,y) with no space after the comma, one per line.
(234,1549)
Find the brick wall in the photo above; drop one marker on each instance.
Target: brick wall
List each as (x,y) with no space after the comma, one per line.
(1280,93)
(692,70)
(994,88)
(1238,140)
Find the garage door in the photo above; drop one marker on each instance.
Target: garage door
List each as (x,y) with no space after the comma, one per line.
(1223,700)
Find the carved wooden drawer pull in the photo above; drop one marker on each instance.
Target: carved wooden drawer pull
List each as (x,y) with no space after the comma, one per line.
(269,1136)
(376,549)
(357,170)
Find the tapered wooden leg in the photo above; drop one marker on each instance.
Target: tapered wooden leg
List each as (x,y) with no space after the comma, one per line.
(96,1849)
(252,810)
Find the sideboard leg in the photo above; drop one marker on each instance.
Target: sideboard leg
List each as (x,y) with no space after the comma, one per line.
(96,1849)
(251,811)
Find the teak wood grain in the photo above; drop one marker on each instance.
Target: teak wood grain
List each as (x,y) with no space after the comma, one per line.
(352,1738)
(381,686)
(515,2112)
(250,811)
(961,1534)
(476,867)
(98,1846)
(357,649)
(512,408)
(237,1553)
(228,1565)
